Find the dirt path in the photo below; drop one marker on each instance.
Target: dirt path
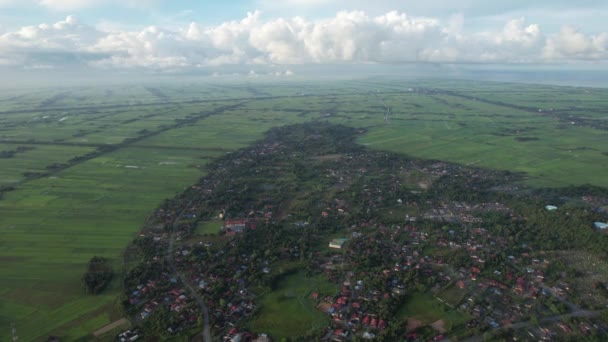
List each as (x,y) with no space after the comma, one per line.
(111,326)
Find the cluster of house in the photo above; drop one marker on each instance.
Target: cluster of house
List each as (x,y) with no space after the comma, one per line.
(353,310)
(147,298)
(227,308)
(497,297)
(493,297)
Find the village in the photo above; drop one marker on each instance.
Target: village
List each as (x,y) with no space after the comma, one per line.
(386,230)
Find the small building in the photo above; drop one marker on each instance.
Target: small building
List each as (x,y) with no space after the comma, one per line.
(337,243)
(368,336)
(551,207)
(601,225)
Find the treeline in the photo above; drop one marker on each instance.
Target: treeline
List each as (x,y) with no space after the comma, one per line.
(558,195)
(12,153)
(568,228)
(98,275)
(5,188)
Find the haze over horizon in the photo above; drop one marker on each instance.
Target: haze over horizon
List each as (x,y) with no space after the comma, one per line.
(75,38)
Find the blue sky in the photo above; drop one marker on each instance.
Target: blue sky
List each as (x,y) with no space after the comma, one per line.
(181,34)
(587,15)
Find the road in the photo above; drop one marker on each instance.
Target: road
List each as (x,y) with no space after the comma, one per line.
(206,333)
(573,307)
(528,324)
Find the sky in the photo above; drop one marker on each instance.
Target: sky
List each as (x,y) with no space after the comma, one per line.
(177,35)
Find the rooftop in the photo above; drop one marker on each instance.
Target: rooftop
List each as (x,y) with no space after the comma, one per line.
(601,225)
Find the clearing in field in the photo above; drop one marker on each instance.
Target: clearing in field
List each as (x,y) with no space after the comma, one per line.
(452,295)
(208,227)
(288,309)
(425,308)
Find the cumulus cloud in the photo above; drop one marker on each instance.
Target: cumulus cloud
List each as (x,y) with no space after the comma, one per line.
(572,44)
(63,42)
(347,37)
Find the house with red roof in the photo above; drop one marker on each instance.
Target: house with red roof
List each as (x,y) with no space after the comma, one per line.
(374,323)
(236,226)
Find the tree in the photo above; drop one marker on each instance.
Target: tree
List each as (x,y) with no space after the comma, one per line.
(534,321)
(98,275)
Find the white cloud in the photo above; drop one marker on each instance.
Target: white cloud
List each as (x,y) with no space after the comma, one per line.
(516,42)
(63,42)
(572,44)
(347,37)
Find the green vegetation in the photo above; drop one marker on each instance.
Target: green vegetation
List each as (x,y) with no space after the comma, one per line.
(288,310)
(98,275)
(391,267)
(452,295)
(208,227)
(426,308)
(79,175)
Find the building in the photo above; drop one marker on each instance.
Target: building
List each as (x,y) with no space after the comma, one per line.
(601,225)
(551,207)
(236,226)
(337,243)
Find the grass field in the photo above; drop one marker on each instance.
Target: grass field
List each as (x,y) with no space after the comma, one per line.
(35,160)
(52,226)
(288,310)
(427,309)
(452,295)
(98,160)
(208,227)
